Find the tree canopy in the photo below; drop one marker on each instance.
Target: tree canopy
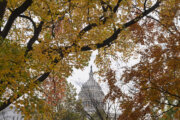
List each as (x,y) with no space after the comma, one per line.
(41,36)
(154,81)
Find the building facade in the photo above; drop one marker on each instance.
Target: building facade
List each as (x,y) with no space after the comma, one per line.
(10,114)
(91,95)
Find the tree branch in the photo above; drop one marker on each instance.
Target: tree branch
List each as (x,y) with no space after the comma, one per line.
(12,99)
(30,19)
(87,28)
(151,17)
(156,116)
(163,91)
(90,26)
(34,38)
(114,36)
(145,5)
(3,4)
(117,5)
(37,31)
(13,16)
(169,104)
(108,6)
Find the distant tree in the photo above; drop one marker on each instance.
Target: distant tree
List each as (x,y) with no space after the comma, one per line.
(51,93)
(54,89)
(57,104)
(68,108)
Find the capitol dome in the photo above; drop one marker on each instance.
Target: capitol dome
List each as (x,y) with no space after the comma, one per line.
(91,94)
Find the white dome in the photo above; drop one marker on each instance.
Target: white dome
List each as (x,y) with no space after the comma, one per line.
(91,91)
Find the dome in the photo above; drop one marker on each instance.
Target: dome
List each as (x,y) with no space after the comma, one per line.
(91,91)
(91,84)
